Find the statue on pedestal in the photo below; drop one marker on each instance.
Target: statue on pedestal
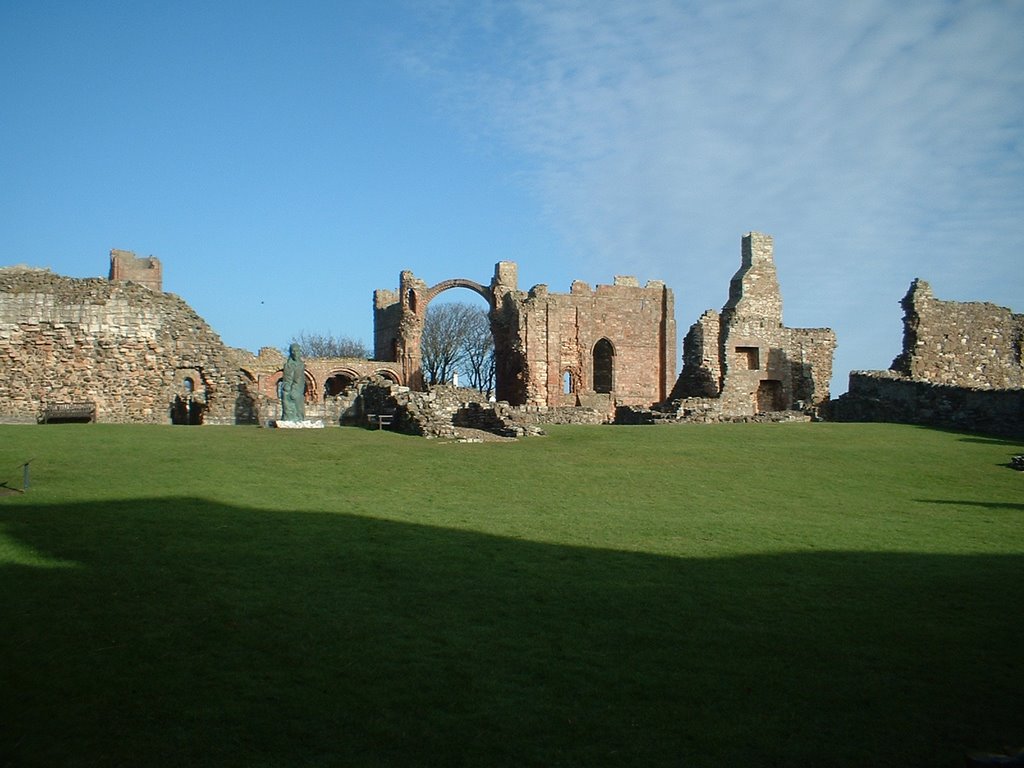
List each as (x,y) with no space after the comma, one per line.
(293,386)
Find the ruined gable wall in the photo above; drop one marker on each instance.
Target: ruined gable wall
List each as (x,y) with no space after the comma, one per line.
(964,344)
(559,333)
(746,359)
(120,345)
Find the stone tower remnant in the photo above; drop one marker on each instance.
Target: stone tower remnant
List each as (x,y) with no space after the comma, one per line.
(744,361)
(125,266)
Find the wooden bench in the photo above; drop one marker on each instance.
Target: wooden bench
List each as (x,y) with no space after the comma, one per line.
(60,412)
(383,419)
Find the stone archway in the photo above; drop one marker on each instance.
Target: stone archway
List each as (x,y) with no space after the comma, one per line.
(398,327)
(414,299)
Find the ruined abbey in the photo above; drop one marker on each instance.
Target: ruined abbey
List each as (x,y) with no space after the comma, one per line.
(121,350)
(960,368)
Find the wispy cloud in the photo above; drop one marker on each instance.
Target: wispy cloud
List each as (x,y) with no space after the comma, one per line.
(877,141)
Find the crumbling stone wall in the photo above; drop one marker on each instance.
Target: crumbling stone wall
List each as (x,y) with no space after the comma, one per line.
(135,352)
(962,344)
(435,413)
(744,360)
(125,266)
(613,344)
(960,368)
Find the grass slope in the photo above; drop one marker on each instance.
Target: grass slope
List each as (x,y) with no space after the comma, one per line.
(765,595)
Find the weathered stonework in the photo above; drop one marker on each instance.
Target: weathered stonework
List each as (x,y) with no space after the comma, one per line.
(139,354)
(613,344)
(744,361)
(962,344)
(142,355)
(125,267)
(960,368)
(442,410)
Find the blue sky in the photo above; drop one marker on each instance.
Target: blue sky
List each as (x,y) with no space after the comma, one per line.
(283,160)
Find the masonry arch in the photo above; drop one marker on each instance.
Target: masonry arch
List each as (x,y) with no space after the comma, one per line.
(338,380)
(189,401)
(416,297)
(399,316)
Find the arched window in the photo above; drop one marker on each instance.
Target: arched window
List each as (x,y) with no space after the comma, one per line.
(190,385)
(604,358)
(567,388)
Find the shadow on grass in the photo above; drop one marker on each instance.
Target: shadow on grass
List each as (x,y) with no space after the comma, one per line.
(1013,442)
(985,504)
(178,631)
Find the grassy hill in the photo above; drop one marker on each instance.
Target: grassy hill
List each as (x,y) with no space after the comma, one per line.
(765,595)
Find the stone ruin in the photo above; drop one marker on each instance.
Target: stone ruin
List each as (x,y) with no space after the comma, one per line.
(446,411)
(131,351)
(137,354)
(595,348)
(126,267)
(960,368)
(122,350)
(744,363)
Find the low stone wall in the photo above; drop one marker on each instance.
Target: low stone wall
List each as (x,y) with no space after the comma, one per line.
(699,410)
(441,410)
(888,397)
(542,415)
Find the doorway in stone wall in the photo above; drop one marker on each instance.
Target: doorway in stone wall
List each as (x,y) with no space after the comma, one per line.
(769,396)
(187,407)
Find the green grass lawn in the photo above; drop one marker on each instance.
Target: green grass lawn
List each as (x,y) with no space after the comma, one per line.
(728,595)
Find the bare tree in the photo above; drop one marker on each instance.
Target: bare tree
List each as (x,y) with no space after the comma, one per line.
(452,341)
(478,358)
(328,345)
